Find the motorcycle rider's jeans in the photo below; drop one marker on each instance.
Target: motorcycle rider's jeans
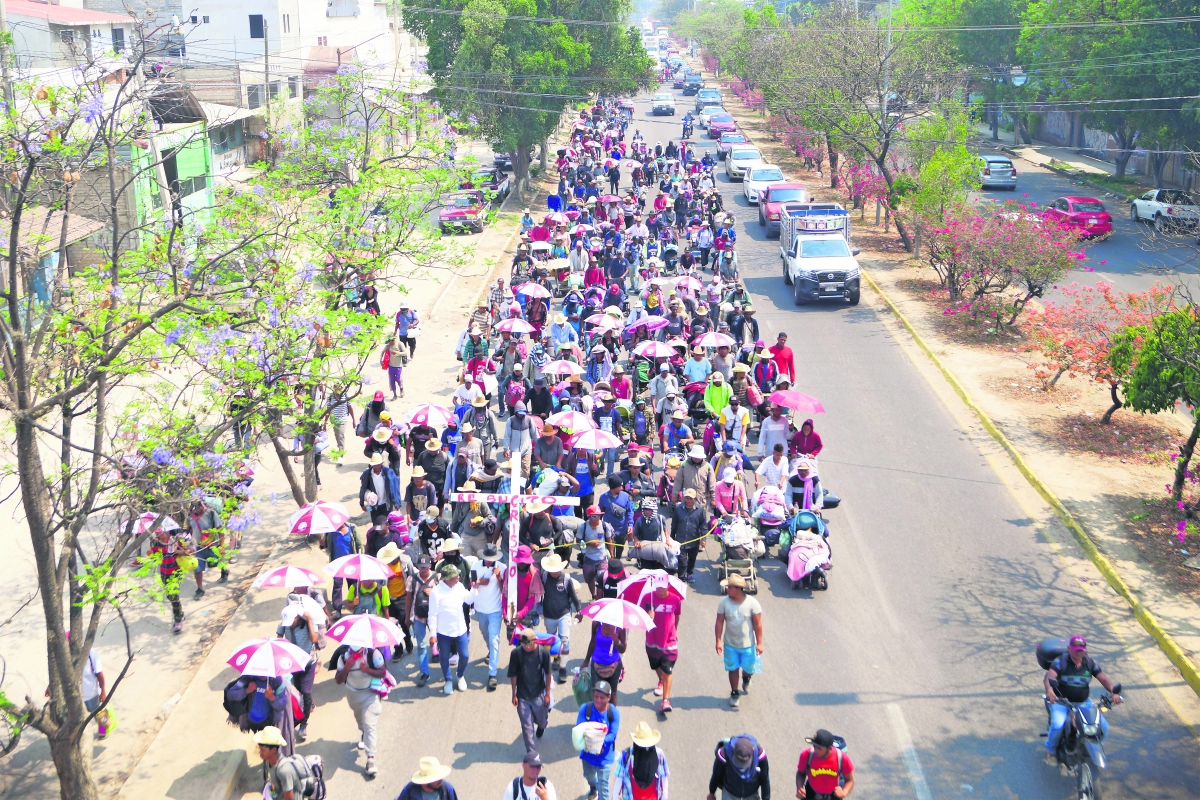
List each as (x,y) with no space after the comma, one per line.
(1058,721)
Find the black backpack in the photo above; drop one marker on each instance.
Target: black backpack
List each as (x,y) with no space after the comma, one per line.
(235,708)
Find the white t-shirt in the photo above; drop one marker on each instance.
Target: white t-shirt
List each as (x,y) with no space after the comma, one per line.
(91,684)
(772,472)
(465,393)
(487,598)
(528,792)
(446,609)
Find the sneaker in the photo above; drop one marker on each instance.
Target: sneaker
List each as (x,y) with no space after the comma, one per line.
(199,594)
(449,687)
(361,745)
(422,679)
(1051,760)
(370,770)
(408,645)
(562,674)
(462,684)
(746,683)
(397,653)
(178,627)
(690,579)
(593,794)
(658,690)
(733,699)
(454,660)
(224,576)
(540,730)
(301,733)
(492,683)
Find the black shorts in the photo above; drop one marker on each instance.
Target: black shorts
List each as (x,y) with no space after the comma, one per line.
(660,659)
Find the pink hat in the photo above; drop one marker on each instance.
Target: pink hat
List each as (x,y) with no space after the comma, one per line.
(524,555)
(1077,643)
(379,395)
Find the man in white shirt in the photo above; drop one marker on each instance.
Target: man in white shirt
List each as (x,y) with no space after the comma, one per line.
(467,391)
(447,622)
(531,785)
(95,690)
(663,383)
(486,576)
(735,422)
(774,469)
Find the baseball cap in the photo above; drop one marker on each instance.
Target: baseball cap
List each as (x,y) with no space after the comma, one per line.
(594,511)
(1077,643)
(603,688)
(379,395)
(821,738)
(533,759)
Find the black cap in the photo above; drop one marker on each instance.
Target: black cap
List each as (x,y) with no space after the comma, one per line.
(533,759)
(423,561)
(821,738)
(614,565)
(489,463)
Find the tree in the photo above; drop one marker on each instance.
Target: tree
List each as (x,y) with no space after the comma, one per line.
(1077,336)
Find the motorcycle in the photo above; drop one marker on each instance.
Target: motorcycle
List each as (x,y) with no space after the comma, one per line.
(687,130)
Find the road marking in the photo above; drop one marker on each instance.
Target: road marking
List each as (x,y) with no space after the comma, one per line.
(916,776)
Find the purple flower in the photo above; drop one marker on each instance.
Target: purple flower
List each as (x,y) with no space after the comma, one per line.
(161,455)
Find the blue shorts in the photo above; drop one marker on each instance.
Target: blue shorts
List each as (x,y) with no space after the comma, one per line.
(202,557)
(742,658)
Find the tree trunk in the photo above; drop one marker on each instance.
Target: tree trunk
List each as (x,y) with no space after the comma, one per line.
(542,157)
(1061,371)
(521,168)
(1116,404)
(1125,144)
(310,467)
(1158,163)
(833,164)
(288,472)
(994,112)
(73,767)
(1185,459)
(917,242)
(1023,127)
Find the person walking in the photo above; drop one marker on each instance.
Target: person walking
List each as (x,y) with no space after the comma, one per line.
(429,782)
(823,769)
(357,670)
(394,360)
(604,655)
(597,767)
(420,589)
(288,776)
(530,675)
(739,635)
(662,643)
(642,772)
(345,541)
(169,547)
(596,535)
(95,691)
(298,627)
(449,626)
(379,488)
(531,784)
(695,473)
(208,532)
(560,605)
(401,567)
(740,770)
(688,527)
(486,582)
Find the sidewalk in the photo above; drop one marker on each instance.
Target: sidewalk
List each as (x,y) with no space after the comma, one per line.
(196,755)
(1041,153)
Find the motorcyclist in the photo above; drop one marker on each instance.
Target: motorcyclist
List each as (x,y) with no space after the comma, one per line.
(687,124)
(1073,670)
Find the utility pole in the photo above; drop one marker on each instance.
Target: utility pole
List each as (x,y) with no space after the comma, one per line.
(887,72)
(267,69)
(4,52)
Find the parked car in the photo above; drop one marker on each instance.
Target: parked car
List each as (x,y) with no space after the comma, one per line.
(1087,215)
(1167,208)
(708,97)
(727,141)
(705,113)
(998,173)
(771,200)
(491,180)
(664,103)
(504,160)
(758,178)
(721,122)
(741,159)
(465,210)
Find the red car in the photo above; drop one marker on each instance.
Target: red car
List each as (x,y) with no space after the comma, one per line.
(1087,215)
(771,200)
(728,140)
(463,211)
(720,123)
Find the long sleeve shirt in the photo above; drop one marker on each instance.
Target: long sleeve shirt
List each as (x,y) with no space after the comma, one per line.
(729,782)
(446,609)
(782,356)
(618,511)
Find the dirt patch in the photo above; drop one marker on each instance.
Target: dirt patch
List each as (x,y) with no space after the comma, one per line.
(1143,441)
(1147,523)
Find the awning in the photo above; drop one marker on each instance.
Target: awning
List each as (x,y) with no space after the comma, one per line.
(41,229)
(218,114)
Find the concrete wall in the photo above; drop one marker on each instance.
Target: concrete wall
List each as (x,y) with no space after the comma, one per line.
(40,44)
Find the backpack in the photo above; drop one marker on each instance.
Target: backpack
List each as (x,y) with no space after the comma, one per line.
(515,393)
(234,708)
(589,707)
(312,769)
(808,765)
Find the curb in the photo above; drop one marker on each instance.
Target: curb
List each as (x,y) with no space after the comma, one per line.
(1144,616)
(1060,172)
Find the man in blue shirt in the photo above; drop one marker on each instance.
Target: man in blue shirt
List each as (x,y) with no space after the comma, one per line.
(617,506)
(597,767)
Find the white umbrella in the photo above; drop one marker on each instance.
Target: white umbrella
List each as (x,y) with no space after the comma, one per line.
(366,630)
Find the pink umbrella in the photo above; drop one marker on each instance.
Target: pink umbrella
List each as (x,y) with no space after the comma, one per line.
(688,282)
(318,517)
(288,577)
(515,325)
(572,421)
(609,198)
(561,367)
(144,521)
(429,414)
(608,162)
(713,339)
(635,588)
(594,439)
(603,322)
(556,217)
(618,612)
(580,229)
(366,630)
(651,323)
(653,350)
(677,342)
(797,401)
(572,215)
(663,281)
(360,567)
(606,225)
(589,143)
(268,658)
(533,290)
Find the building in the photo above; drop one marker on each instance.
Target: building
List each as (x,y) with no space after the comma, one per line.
(46,35)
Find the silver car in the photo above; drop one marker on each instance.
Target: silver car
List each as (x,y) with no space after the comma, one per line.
(741,159)
(998,173)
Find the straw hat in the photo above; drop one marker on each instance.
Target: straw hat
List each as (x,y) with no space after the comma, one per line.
(433,445)
(734,580)
(553,563)
(418,472)
(536,508)
(448,546)
(381,434)
(389,553)
(430,770)
(377,459)
(645,736)
(270,736)
(479,402)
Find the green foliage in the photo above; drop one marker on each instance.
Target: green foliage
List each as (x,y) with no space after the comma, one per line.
(1166,365)
(946,169)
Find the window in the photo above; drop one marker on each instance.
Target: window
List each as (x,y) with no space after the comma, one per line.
(824,248)
(195,20)
(204,19)
(254,95)
(192,185)
(294,86)
(322,41)
(118,39)
(274,89)
(227,137)
(256,26)
(66,35)
(287,23)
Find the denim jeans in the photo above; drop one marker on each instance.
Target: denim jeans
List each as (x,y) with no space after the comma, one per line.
(598,778)
(492,627)
(1058,722)
(420,629)
(447,645)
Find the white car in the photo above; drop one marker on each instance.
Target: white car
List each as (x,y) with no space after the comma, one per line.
(1166,208)
(663,103)
(741,159)
(758,178)
(706,112)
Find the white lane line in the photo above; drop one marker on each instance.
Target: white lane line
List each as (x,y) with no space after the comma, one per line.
(916,776)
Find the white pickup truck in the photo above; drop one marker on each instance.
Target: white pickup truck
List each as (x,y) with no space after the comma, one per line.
(814,245)
(1167,209)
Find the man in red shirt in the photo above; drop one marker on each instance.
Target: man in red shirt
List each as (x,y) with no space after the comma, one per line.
(662,643)
(822,768)
(781,354)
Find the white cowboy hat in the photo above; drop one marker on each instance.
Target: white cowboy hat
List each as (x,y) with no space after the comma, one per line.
(645,736)
(430,770)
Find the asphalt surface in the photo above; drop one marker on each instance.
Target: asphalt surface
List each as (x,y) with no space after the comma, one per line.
(920,653)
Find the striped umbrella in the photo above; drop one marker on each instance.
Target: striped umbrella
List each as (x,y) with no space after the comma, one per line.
(318,517)
(268,658)
(572,421)
(618,612)
(563,367)
(360,567)
(366,630)
(288,577)
(653,350)
(515,325)
(429,414)
(595,439)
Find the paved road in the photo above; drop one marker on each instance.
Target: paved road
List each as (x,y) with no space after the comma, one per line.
(1136,256)
(920,653)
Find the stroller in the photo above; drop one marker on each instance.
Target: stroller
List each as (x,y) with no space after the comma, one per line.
(693,393)
(740,549)
(807,552)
